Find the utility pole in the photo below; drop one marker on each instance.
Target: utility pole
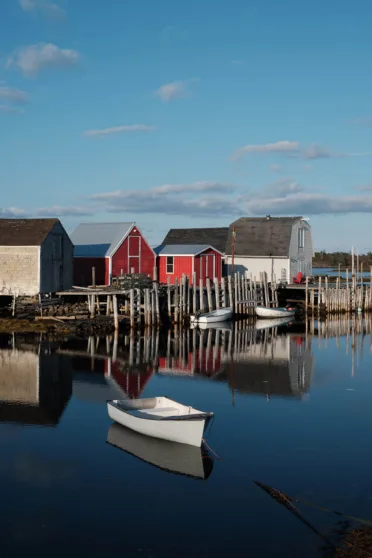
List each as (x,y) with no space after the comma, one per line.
(233,235)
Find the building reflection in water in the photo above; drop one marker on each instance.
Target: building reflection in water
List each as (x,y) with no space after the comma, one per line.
(35,383)
(37,379)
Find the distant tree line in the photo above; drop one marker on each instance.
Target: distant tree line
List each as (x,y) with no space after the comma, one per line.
(333,259)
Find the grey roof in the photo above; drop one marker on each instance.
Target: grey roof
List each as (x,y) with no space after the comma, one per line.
(97,240)
(215,237)
(182,249)
(260,236)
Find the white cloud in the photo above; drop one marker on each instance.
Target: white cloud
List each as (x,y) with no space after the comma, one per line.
(62,211)
(173,90)
(13,95)
(283,146)
(10,212)
(49,8)
(294,149)
(238,62)
(275,168)
(120,129)
(11,109)
(33,58)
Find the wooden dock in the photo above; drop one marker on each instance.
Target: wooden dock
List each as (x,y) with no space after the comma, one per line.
(175,303)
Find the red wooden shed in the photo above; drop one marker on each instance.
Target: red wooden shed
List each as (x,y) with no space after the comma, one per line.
(176,260)
(111,248)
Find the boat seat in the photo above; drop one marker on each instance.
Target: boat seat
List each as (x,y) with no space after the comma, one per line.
(169,411)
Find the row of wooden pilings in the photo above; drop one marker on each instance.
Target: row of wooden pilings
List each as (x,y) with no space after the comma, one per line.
(176,302)
(335,298)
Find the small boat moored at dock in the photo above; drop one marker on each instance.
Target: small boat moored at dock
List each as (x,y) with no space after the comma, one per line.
(161,417)
(181,459)
(264,312)
(216,316)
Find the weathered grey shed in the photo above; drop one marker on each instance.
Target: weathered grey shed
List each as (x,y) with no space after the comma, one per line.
(280,246)
(35,257)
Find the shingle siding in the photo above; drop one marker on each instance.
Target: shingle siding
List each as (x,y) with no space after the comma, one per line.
(301,259)
(19,270)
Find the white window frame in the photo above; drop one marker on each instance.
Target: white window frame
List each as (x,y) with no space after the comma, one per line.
(166,265)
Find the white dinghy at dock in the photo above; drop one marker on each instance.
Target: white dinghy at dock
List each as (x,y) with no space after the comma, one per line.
(161,417)
(264,312)
(216,316)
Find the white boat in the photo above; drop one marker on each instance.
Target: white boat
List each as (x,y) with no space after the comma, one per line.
(275,322)
(161,417)
(264,312)
(174,458)
(216,316)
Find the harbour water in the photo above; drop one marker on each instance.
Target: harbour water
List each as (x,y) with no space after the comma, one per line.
(292,410)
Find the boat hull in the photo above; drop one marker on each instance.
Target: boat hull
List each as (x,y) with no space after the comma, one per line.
(217,316)
(275,322)
(182,431)
(263,312)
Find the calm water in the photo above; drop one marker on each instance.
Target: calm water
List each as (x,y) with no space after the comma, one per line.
(292,410)
(333,272)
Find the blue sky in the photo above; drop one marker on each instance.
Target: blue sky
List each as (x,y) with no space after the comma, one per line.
(188,113)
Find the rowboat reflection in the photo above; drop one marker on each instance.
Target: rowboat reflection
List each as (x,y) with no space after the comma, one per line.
(172,457)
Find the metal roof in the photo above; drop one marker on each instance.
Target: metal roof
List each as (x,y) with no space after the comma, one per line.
(261,236)
(25,232)
(182,249)
(98,240)
(215,237)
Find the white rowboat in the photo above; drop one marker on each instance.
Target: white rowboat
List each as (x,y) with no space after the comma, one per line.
(221,315)
(161,417)
(175,458)
(264,312)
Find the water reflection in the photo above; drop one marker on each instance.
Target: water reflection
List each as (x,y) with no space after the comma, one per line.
(172,457)
(35,383)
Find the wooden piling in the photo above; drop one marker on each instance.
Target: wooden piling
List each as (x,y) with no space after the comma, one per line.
(230,289)
(93,276)
(116,317)
(131,307)
(201,295)
(176,303)
(217,293)
(194,293)
(157,304)
(209,295)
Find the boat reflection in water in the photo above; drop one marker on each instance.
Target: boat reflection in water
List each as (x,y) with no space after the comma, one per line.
(172,457)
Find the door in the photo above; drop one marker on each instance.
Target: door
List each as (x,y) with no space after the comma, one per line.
(207,267)
(134,254)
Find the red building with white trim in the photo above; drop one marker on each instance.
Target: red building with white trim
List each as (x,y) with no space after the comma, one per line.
(175,260)
(112,248)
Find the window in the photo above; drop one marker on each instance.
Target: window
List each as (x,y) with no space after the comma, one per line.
(301,238)
(170,264)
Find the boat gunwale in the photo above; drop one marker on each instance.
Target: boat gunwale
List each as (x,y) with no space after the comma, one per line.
(199,416)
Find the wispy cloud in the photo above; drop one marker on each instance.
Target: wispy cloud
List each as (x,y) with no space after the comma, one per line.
(174,90)
(32,59)
(238,62)
(50,9)
(173,32)
(13,95)
(275,168)
(62,211)
(283,146)
(363,121)
(11,109)
(10,212)
(294,149)
(120,130)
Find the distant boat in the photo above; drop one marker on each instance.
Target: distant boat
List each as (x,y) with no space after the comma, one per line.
(175,458)
(161,417)
(216,316)
(264,312)
(275,322)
